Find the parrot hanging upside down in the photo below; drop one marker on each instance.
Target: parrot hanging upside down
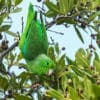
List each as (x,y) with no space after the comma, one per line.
(34,44)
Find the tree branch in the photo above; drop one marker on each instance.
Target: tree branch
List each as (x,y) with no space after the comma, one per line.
(48,25)
(7,51)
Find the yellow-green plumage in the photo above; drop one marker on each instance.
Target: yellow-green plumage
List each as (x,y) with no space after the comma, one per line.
(34,44)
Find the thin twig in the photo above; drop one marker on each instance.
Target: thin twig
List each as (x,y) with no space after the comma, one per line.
(22,24)
(56,32)
(48,25)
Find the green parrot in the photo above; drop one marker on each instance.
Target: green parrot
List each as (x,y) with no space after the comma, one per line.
(34,44)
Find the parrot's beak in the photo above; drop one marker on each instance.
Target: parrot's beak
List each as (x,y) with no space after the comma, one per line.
(50,72)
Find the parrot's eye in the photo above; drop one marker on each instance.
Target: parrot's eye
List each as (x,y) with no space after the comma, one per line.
(47,63)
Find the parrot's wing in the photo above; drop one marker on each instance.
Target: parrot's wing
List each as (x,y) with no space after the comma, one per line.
(32,46)
(30,16)
(44,36)
(34,38)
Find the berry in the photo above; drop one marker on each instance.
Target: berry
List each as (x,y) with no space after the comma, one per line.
(4,44)
(39,0)
(63,48)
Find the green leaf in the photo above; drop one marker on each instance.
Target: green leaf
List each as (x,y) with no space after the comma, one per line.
(3,83)
(95,3)
(82,59)
(97,65)
(98,39)
(61,61)
(8,5)
(88,92)
(57,48)
(55,94)
(96,56)
(17,10)
(94,28)
(78,34)
(3,15)
(77,70)
(65,20)
(76,81)
(71,4)
(11,57)
(80,72)
(50,14)
(52,7)
(64,6)
(73,93)
(22,97)
(50,53)
(23,76)
(17,2)
(2,3)
(69,61)
(39,96)
(96,90)
(76,1)
(12,33)
(92,16)
(1,19)
(64,82)
(19,57)
(4,28)
(2,67)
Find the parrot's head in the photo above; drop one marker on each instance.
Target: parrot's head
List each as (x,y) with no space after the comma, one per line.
(41,65)
(46,64)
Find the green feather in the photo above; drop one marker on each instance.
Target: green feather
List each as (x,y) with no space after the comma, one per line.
(34,38)
(34,44)
(30,17)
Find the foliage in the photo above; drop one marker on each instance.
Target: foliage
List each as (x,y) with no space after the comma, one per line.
(71,80)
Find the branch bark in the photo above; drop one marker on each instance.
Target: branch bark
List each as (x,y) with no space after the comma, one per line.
(7,51)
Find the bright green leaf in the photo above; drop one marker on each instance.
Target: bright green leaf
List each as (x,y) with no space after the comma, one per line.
(78,34)
(82,59)
(3,83)
(11,33)
(52,7)
(97,65)
(17,2)
(88,92)
(73,94)
(4,28)
(17,10)
(22,97)
(92,16)
(64,82)
(96,90)
(57,48)
(98,39)
(50,13)
(55,94)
